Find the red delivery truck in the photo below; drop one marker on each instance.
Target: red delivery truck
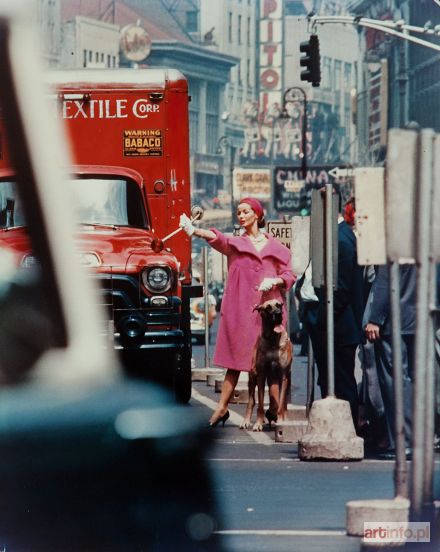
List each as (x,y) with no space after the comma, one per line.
(129,138)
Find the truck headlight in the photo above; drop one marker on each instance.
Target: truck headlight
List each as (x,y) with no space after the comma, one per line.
(157,279)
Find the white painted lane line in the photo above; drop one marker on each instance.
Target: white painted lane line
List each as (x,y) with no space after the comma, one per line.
(235,418)
(246,460)
(285,532)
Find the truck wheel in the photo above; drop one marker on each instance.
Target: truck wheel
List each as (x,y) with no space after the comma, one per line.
(182,377)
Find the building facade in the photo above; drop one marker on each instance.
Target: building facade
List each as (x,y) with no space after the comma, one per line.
(399,81)
(91,38)
(48,23)
(89,43)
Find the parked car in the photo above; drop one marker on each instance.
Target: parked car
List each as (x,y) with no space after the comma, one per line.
(198,317)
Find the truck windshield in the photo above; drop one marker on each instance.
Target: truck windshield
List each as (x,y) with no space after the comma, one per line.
(109,201)
(11,211)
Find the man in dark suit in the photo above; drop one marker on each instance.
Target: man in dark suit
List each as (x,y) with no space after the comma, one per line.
(348,310)
(378,331)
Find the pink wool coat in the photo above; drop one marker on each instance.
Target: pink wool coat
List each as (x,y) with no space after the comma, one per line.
(240,325)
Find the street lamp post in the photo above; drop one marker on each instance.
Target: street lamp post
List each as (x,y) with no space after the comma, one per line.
(223,143)
(290,96)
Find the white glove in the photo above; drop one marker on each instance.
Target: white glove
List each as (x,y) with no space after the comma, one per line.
(268,284)
(186,224)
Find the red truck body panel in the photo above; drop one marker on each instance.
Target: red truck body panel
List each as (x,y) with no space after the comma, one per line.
(135,119)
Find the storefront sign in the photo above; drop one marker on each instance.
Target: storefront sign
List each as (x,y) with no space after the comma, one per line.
(292,192)
(208,164)
(252,182)
(271,48)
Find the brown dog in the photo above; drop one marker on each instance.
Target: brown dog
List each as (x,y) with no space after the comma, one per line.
(271,361)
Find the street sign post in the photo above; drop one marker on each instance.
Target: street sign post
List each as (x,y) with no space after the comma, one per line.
(370,216)
(280,230)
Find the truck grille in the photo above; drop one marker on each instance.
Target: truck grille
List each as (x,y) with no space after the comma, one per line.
(121,295)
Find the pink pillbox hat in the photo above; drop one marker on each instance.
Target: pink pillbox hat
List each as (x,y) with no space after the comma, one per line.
(254,204)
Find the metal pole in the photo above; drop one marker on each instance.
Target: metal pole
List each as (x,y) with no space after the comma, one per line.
(304,137)
(206,296)
(432,366)
(425,144)
(428,468)
(329,288)
(400,467)
(231,173)
(310,377)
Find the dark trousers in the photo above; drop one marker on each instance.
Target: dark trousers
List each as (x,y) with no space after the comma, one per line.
(345,382)
(384,362)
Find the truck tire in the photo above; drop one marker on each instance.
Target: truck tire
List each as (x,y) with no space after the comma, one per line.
(182,376)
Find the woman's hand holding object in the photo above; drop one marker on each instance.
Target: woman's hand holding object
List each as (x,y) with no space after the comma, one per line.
(268,284)
(186,224)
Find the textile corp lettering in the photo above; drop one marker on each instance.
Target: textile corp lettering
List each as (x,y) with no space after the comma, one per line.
(107,109)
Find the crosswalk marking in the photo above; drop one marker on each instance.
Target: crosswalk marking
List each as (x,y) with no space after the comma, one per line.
(258,436)
(285,532)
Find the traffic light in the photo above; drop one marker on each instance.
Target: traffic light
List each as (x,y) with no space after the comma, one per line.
(312,61)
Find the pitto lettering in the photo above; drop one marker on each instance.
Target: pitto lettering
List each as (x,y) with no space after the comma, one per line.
(107,109)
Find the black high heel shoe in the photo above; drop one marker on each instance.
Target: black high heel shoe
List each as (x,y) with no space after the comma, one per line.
(271,417)
(221,419)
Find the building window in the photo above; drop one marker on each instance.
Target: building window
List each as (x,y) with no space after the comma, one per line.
(191,21)
(347,75)
(194,92)
(84,58)
(90,55)
(230,27)
(212,99)
(194,130)
(114,61)
(212,117)
(211,133)
(239,30)
(347,120)
(248,32)
(109,60)
(326,72)
(338,70)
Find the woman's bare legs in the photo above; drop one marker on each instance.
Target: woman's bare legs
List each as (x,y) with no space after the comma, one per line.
(229,384)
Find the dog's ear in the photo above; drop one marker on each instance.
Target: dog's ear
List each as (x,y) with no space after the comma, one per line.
(256,308)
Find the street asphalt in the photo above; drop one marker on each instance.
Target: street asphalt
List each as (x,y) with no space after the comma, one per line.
(269,499)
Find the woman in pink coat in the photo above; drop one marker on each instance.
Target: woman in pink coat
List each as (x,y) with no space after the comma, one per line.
(259,269)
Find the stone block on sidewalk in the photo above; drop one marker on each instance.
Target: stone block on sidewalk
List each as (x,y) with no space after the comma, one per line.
(290,431)
(216,375)
(201,374)
(330,434)
(296,412)
(381,511)
(240,395)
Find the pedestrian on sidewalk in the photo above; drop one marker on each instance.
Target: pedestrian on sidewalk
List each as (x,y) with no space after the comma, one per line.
(259,269)
(378,331)
(347,313)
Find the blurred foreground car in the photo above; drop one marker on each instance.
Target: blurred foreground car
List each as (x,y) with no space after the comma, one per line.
(90,460)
